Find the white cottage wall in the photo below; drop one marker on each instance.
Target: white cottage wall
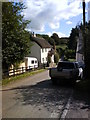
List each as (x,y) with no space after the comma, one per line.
(44,54)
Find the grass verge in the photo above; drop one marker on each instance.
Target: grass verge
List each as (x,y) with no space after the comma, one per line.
(18,77)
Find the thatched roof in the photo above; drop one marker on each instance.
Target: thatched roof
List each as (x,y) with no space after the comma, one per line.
(41,42)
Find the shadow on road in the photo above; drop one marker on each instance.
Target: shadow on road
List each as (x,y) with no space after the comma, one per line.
(50,96)
(43,93)
(81,97)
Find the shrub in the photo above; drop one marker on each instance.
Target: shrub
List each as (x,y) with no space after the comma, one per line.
(56,58)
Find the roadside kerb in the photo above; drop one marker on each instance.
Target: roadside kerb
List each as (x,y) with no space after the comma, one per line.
(66,107)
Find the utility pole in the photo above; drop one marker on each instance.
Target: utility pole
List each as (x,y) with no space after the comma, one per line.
(84,29)
(84,13)
(84,37)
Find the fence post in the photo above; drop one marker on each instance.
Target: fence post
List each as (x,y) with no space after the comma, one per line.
(13,71)
(22,69)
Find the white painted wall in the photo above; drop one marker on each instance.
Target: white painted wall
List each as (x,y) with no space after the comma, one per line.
(40,53)
(44,54)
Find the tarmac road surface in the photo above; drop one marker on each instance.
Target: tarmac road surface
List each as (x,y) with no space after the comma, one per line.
(36,97)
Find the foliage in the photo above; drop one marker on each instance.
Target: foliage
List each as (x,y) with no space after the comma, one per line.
(60,52)
(63,40)
(70,54)
(56,38)
(87,49)
(56,58)
(49,59)
(72,60)
(72,43)
(15,39)
(62,46)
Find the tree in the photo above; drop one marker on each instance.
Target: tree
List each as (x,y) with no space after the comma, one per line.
(48,60)
(56,58)
(72,43)
(56,38)
(87,50)
(86,36)
(69,54)
(15,39)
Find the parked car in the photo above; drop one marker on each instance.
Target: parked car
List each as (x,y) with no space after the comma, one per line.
(65,70)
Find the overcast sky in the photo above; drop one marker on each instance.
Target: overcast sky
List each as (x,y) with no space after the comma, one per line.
(53,16)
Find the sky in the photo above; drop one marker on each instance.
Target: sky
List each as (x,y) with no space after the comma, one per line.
(54,16)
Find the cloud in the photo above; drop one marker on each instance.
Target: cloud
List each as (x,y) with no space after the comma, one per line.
(54,25)
(50,12)
(59,34)
(68,22)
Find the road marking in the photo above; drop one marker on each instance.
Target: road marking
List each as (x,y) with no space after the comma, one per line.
(66,108)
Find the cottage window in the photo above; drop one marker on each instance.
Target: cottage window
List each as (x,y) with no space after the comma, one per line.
(35,61)
(42,50)
(32,61)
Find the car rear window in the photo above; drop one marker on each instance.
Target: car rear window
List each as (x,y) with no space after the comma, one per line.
(64,65)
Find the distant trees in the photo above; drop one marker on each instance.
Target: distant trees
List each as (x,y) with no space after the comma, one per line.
(56,38)
(15,39)
(70,54)
(72,43)
(46,37)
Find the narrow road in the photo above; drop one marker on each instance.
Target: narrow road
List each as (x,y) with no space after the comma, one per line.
(34,97)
